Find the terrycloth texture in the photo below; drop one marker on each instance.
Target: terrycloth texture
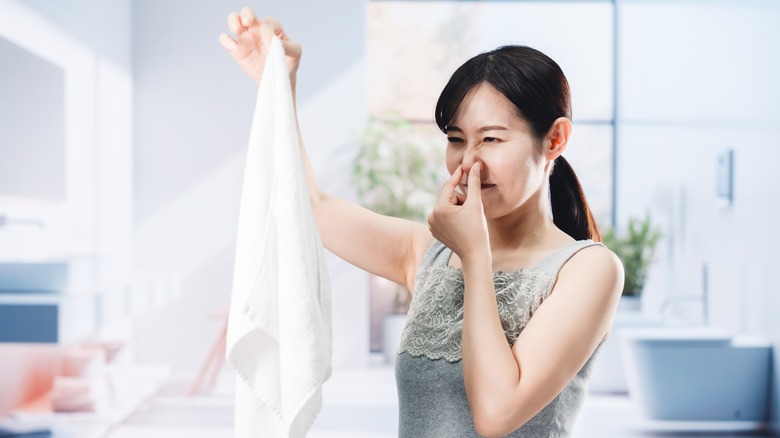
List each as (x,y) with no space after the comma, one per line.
(279,329)
(432,400)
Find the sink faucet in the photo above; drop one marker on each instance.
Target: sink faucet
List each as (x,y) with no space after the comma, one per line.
(703,297)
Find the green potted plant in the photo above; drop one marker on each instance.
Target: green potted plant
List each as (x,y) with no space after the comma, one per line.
(397,172)
(636,249)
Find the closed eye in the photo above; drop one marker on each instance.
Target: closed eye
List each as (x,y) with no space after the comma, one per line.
(455,139)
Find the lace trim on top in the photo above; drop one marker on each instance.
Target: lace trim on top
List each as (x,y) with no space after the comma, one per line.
(434,324)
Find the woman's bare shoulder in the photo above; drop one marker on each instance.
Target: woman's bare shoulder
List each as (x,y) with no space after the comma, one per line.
(597,262)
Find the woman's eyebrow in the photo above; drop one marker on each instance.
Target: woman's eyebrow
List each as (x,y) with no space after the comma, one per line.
(492,128)
(482,129)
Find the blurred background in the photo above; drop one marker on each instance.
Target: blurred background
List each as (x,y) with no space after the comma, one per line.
(123,132)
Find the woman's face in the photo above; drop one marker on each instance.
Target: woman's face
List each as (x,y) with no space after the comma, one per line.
(486,128)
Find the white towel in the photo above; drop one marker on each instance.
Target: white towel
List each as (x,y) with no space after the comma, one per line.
(279,329)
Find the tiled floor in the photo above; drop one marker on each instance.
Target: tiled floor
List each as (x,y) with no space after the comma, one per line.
(358,404)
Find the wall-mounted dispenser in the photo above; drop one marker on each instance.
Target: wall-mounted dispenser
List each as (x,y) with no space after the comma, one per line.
(725,178)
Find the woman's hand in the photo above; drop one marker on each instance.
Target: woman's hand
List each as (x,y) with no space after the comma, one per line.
(252,44)
(458,220)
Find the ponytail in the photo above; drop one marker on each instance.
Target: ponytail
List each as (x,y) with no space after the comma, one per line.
(569,208)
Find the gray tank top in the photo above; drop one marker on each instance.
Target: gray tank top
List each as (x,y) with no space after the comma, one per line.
(428,370)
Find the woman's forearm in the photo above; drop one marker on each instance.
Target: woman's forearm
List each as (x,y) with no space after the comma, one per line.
(490,371)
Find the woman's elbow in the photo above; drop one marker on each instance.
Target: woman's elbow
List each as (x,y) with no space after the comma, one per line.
(318,200)
(490,424)
(316,197)
(484,432)
(488,429)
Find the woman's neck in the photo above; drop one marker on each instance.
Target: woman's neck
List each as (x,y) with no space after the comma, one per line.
(528,226)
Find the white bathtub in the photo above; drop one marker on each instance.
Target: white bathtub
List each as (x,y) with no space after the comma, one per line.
(707,378)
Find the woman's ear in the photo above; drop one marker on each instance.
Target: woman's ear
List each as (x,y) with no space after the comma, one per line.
(557,138)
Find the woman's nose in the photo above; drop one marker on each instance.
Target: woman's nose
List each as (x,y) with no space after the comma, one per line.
(470,156)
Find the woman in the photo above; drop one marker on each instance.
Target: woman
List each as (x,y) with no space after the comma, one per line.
(509,305)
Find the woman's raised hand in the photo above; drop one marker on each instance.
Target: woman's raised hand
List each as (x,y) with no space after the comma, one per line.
(458,220)
(252,43)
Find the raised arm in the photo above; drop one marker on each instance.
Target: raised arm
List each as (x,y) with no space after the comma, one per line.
(385,246)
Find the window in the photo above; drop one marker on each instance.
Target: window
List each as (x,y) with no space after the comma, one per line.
(414,47)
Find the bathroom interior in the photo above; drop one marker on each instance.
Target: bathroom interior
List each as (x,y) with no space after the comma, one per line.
(123,133)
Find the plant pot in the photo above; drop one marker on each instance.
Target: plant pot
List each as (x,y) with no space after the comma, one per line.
(392,327)
(387,299)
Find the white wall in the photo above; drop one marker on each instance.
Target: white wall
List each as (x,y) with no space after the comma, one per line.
(698,78)
(103,26)
(193,108)
(93,217)
(90,41)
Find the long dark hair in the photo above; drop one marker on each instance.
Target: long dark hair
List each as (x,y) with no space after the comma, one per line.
(537,87)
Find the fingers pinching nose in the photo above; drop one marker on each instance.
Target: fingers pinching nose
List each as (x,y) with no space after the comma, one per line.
(446,194)
(474,176)
(454,181)
(456,175)
(474,189)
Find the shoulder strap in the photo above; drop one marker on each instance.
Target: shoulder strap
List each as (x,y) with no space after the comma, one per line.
(436,254)
(553,264)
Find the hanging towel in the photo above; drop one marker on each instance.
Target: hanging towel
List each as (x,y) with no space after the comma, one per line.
(279,328)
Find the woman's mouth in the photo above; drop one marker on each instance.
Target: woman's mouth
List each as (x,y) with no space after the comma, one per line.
(482,186)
